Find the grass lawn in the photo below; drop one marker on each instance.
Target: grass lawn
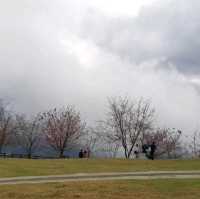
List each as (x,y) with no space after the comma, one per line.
(155,189)
(25,167)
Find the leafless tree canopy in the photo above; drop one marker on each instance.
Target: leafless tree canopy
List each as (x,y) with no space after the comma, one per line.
(28,133)
(129,120)
(195,144)
(62,128)
(101,141)
(166,139)
(127,123)
(6,125)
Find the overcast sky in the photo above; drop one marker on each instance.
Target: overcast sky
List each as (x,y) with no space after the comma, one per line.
(54,53)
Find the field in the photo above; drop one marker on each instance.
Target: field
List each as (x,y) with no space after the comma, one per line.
(24,167)
(155,189)
(118,189)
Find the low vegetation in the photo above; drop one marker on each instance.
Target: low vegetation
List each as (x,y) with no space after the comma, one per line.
(25,167)
(157,189)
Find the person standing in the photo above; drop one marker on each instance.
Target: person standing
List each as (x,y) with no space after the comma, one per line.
(80,154)
(136,151)
(152,150)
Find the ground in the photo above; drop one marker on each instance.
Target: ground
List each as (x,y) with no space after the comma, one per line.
(24,167)
(155,189)
(118,189)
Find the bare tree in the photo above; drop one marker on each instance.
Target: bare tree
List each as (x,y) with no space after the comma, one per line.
(167,141)
(195,144)
(62,128)
(28,133)
(89,140)
(102,142)
(128,121)
(6,125)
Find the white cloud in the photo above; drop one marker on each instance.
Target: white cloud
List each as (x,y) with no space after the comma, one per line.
(84,51)
(54,53)
(118,8)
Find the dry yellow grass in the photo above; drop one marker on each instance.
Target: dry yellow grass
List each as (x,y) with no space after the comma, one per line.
(154,189)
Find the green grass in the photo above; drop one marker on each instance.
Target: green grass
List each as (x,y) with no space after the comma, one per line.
(23,167)
(155,189)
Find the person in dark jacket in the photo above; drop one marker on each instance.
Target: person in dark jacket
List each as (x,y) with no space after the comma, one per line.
(80,154)
(145,148)
(152,151)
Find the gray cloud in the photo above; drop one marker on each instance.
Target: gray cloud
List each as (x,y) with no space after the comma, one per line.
(164,31)
(65,52)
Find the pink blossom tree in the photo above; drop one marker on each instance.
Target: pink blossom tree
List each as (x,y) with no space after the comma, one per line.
(62,128)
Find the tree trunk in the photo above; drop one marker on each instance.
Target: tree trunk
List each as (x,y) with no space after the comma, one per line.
(125,153)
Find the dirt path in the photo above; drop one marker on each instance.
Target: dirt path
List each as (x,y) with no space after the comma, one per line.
(103,176)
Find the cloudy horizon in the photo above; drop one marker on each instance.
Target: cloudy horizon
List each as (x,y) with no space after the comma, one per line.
(55,53)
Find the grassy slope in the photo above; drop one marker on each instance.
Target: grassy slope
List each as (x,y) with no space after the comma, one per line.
(156,189)
(21,167)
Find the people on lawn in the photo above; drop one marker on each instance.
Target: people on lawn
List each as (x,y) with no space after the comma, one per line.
(84,153)
(149,150)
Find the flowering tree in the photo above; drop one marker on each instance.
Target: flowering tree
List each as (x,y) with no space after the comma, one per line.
(62,128)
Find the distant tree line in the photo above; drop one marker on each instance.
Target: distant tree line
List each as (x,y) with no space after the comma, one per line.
(59,129)
(128,123)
